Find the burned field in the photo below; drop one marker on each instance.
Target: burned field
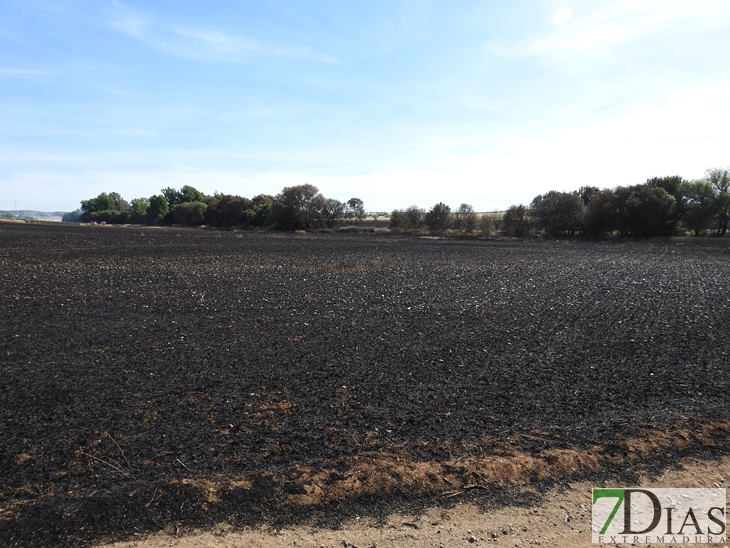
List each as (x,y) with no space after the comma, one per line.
(158,378)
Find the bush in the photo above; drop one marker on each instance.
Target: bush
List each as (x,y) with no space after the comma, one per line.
(559,212)
(158,209)
(411,218)
(465,220)
(696,202)
(297,208)
(189,213)
(438,218)
(648,212)
(486,225)
(641,211)
(515,221)
(226,211)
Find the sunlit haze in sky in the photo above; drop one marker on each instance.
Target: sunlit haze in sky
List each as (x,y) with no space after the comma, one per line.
(397,102)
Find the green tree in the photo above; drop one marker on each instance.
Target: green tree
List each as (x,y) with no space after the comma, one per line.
(120,204)
(438,218)
(108,216)
(356,209)
(397,219)
(415,217)
(648,212)
(190,194)
(602,213)
(227,210)
(516,221)
(640,211)
(185,195)
(248,217)
(105,208)
(719,178)
(465,220)
(138,211)
(262,206)
(157,209)
(670,183)
(697,202)
(559,212)
(587,193)
(297,207)
(103,202)
(332,212)
(411,218)
(172,196)
(189,213)
(486,225)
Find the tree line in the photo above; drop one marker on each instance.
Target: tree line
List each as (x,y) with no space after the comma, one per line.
(662,206)
(299,207)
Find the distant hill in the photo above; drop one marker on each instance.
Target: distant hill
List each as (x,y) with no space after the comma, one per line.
(26,215)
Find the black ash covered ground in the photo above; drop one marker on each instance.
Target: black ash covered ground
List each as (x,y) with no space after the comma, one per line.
(152,377)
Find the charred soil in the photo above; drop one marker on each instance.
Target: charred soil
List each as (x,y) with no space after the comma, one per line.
(167,376)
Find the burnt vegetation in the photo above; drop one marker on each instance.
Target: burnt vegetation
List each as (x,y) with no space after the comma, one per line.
(156,378)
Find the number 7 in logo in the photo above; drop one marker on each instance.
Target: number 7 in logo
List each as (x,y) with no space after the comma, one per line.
(609,493)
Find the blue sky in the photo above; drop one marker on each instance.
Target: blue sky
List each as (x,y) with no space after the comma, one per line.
(397,102)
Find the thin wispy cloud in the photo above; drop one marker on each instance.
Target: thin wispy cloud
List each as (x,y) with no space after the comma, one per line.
(202,44)
(217,44)
(129,21)
(220,42)
(25,73)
